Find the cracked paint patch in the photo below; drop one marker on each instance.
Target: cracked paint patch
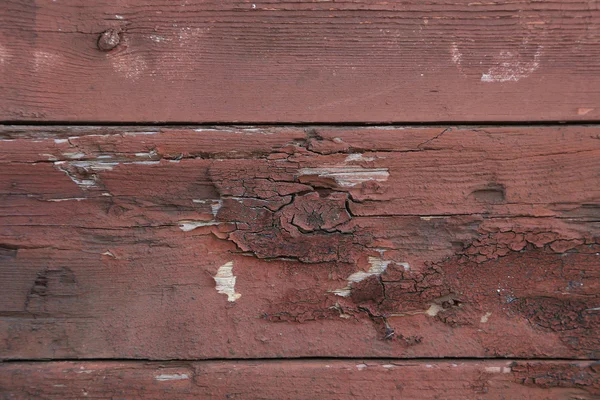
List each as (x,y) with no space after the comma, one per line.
(225,281)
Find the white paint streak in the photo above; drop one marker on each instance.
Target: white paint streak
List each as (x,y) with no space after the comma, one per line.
(68,199)
(89,166)
(187,226)
(348,176)
(378,267)
(360,367)
(225,281)
(171,377)
(74,156)
(358,157)
(141,133)
(510,67)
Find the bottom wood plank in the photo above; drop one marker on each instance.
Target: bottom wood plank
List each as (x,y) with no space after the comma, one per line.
(302,379)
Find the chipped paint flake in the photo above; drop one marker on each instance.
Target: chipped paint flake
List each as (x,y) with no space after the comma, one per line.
(216,206)
(485,317)
(225,281)
(188,226)
(378,267)
(434,310)
(349,176)
(171,377)
(360,367)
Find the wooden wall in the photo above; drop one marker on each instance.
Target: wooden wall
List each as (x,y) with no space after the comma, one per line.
(298,199)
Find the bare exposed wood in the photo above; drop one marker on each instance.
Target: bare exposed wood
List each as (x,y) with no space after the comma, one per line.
(323,379)
(311,61)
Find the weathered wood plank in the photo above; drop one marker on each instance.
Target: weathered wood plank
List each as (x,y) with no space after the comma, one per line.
(322,379)
(288,242)
(293,61)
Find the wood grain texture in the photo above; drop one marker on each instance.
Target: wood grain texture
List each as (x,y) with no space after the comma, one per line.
(230,242)
(322,379)
(299,61)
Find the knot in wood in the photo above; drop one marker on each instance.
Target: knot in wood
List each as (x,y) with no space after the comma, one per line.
(109,39)
(313,212)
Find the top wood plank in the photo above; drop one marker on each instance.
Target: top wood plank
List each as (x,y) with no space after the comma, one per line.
(299,61)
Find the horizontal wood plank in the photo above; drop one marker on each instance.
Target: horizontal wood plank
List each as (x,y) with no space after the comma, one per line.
(231,242)
(299,61)
(309,379)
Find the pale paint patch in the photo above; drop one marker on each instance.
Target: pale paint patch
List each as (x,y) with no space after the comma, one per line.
(349,176)
(225,281)
(378,267)
(358,157)
(498,370)
(128,64)
(4,55)
(584,111)
(171,377)
(388,366)
(59,141)
(485,317)
(360,367)
(511,68)
(188,226)
(456,55)
(434,310)
(43,60)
